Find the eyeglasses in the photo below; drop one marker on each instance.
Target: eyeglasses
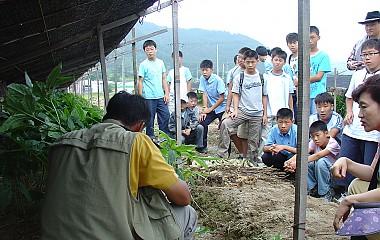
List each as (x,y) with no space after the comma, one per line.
(370,55)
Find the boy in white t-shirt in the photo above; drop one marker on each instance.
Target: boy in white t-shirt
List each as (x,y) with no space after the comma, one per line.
(278,88)
(324,151)
(184,84)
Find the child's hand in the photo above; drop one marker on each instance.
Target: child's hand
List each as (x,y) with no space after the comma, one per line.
(186,132)
(166,98)
(206,110)
(234,115)
(265,120)
(202,117)
(290,165)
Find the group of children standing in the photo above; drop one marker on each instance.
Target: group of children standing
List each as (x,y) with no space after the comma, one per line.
(257,110)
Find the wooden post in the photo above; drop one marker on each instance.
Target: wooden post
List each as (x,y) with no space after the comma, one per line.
(302,118)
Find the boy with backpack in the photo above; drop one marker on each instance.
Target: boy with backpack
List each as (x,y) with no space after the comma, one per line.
(249,105)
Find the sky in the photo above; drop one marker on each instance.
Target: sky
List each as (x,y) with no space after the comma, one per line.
(271,20)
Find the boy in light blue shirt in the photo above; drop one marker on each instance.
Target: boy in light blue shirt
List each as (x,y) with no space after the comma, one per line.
(319,67)
(281,143)
(153,87)
(214,102)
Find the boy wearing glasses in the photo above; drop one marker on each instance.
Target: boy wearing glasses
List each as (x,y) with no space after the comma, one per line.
(282,140)
(358,145)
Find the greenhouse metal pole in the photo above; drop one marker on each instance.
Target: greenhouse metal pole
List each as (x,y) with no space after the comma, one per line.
(177,93)
(302,119)
(103,66)
(115,70)
(134,60)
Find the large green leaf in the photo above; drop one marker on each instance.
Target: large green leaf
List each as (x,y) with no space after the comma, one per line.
(14,122)
(53,76)
(5,196)
(28,81)
(21,187)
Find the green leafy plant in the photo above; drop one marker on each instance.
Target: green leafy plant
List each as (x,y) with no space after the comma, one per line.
(35,114)
(180,157)
(341,105)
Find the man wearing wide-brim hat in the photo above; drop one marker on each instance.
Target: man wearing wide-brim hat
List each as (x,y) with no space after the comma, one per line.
(372,28)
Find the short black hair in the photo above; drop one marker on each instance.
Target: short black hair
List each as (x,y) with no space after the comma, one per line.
(243,50)
(284,113)
(292,37)
(206,64)
(314,29)
(235,58)
(250,54)
(280,53)
(149,43)
(370,86)
(318,126)
(192,95)
(324,98)
(262,51)
(127,108)
(274,50)
(180,54)
(371,43)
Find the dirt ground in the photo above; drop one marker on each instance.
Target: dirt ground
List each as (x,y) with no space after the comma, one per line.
(233,202)
(254,203)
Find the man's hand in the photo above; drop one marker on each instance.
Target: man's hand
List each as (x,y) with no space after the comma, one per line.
(348,118)
(339,169)
(353,65)
(186,132)
(291,164)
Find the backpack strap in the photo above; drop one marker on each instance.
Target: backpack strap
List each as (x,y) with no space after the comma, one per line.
(262,82)
(241,82)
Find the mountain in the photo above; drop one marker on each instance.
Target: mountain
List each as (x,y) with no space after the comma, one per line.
(195,44)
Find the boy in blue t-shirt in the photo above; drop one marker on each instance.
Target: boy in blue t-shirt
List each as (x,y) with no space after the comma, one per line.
(214,102)
(319,67)
(282,140)
(325,104)
(154,88)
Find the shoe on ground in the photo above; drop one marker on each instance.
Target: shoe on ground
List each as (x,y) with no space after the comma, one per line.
(342,196)
(201,150)
(328,197)
(313,192)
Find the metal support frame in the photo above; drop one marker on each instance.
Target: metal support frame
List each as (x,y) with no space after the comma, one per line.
(134,60)
(177,95)
(302,118)
(103,66)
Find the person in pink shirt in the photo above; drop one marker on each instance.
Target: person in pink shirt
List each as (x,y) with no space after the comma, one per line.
(324,150)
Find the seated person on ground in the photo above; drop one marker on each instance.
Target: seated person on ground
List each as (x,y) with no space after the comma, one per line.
(107,181)
(192,131)
(325,105)
(282,140)
(324,151)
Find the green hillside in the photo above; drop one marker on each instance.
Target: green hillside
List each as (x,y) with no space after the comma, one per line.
(196,45)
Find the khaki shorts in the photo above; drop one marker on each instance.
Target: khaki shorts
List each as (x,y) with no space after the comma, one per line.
(242,131)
